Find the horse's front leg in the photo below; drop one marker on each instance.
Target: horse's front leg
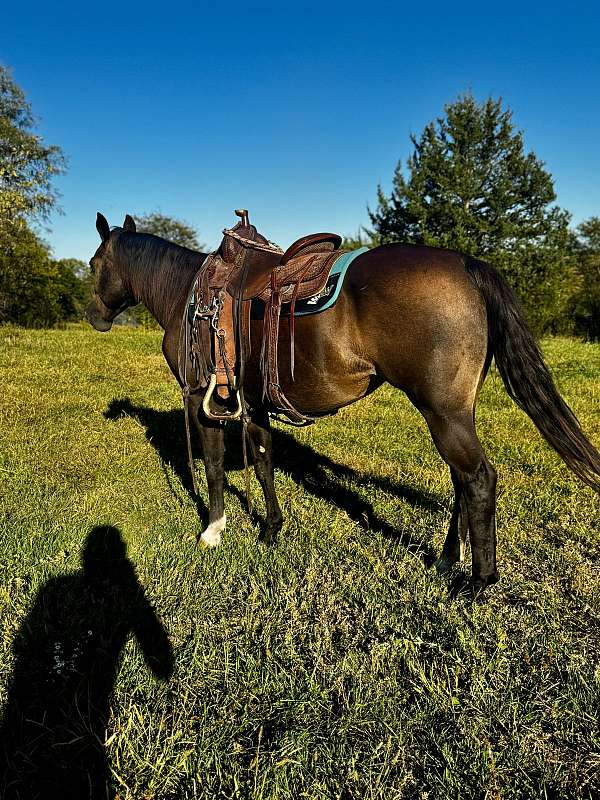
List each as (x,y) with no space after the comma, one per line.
(212,437)
(261,448)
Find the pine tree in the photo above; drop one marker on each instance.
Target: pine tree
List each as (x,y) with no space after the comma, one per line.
(586,301)
(470,186)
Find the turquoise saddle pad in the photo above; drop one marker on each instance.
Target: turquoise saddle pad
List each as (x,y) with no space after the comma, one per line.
(326,298)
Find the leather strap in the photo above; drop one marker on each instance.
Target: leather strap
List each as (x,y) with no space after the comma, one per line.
(224,343)
(269,360)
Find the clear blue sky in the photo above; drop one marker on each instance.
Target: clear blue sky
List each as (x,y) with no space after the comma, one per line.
(293,110)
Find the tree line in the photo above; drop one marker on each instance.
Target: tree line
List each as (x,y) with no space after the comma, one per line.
(468,185)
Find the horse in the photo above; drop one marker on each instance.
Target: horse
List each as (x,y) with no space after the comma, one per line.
(426,320)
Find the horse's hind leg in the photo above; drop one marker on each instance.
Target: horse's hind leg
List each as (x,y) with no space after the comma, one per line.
(261,447)
(456,540)
(456,439)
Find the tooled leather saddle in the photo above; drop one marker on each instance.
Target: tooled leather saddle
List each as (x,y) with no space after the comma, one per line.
(248,267)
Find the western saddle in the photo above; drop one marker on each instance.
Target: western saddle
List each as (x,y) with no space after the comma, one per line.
(216,325)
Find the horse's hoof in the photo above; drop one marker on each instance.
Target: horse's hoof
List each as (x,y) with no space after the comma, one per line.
(444,565)
(478,585)
(209,542)
(269,536)
(211,537)
(482,583)
(269,533)
(268,539)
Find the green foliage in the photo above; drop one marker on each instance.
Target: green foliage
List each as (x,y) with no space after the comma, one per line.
(362,238)
(470,186)
(34,289)
(74,286)
(586,300)
(142,317)
(170,228)
(27,164)
(334,664)
(29,280)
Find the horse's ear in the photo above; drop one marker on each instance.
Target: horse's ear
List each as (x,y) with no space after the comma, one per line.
(102,226)
(129,224)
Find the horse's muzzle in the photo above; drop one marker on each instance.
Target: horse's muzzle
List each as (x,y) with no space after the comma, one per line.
(99,316)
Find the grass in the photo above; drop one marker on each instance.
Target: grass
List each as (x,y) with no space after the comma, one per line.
(334,665)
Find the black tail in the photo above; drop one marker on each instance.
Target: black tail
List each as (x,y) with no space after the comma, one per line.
(526,376)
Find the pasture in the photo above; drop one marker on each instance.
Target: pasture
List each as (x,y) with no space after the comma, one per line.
(333,665)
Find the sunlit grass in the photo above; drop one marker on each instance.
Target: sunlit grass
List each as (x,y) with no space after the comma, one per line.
(333,665)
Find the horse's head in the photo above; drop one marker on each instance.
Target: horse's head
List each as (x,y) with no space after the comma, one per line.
(111,294)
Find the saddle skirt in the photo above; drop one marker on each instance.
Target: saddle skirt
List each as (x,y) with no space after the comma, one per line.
(246,271)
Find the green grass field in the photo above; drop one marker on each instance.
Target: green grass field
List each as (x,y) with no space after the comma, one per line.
(333,665)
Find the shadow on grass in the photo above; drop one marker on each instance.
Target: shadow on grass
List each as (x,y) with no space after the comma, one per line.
(165,430)
(315,472)
(67,655)
(328,480)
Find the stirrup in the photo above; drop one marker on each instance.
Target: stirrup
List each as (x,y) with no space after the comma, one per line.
(206,403)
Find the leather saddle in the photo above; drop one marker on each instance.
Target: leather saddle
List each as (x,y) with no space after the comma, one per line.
(247,266)
(265,267)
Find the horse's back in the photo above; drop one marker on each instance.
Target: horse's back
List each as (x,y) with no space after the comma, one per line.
(414,273)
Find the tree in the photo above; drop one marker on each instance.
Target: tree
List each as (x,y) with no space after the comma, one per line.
(174,230)
(27,164)
(73,286)
(470,186)
(29,293)
(586,301)
(34,290)
(362,238)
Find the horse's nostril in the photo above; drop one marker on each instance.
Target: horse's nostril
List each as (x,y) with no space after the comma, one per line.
(95,318)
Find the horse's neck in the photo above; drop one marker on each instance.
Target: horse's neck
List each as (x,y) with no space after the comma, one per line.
(163,283)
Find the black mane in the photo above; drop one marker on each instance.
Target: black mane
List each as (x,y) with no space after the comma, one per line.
(159,272)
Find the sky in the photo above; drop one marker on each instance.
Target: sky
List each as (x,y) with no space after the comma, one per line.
(296,111)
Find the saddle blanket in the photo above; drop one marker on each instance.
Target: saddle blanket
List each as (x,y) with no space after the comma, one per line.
(326,298)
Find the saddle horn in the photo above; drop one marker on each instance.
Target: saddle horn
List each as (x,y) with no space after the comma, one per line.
(242,213)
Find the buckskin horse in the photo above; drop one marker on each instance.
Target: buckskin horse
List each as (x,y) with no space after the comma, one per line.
(426,320)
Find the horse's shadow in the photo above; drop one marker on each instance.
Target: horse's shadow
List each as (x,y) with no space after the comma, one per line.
(165,430)
(329,480)
(315,472)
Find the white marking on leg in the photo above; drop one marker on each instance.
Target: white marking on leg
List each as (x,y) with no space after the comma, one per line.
(261,448)
(211,537)
(463,550)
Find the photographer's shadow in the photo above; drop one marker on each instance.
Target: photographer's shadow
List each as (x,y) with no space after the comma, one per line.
(67,655)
